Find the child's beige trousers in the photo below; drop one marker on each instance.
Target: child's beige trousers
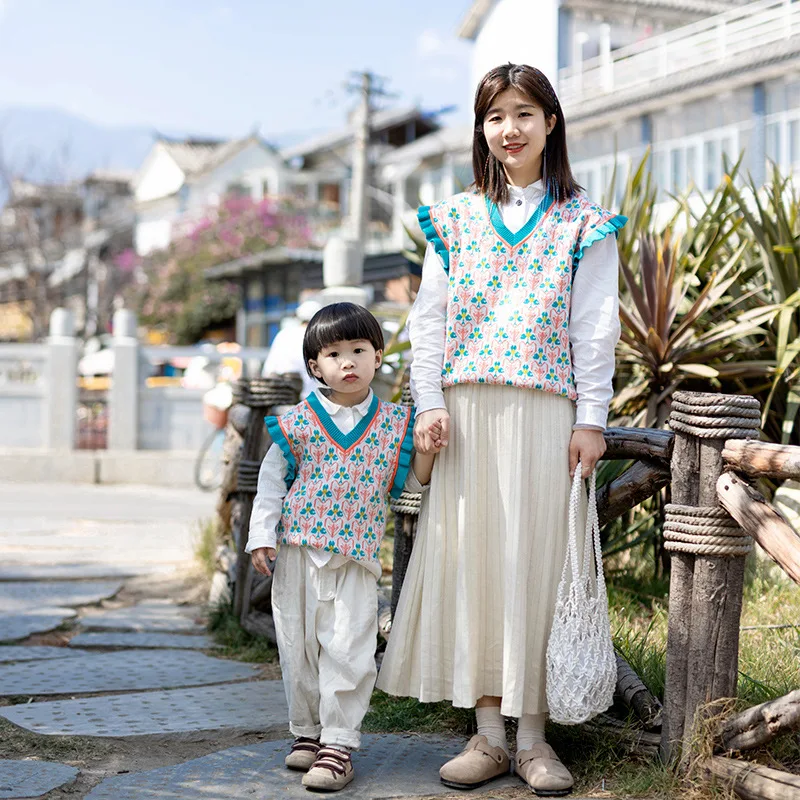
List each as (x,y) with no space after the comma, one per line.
(326,621)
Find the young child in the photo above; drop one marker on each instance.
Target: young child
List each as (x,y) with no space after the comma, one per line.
(513,329)
(322,492)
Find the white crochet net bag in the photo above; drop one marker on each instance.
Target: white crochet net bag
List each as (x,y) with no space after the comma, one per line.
(581,666)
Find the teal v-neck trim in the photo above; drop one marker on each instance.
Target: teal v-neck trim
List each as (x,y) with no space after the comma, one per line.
(515,238)
(344,440)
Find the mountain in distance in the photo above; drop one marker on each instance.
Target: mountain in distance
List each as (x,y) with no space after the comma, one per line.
(49,144)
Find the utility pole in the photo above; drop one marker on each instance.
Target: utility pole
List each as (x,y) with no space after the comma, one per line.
(343,257)
(359,175)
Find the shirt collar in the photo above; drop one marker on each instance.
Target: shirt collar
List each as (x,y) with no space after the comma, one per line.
(332,408)
(529,192)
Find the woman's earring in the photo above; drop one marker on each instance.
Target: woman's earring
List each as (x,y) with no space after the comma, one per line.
(486,165)
(544,166)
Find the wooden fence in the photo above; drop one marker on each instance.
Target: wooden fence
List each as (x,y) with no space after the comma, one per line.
(713,516)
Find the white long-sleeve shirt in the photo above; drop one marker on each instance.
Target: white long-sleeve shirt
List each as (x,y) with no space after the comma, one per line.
(594,327)
(272,488)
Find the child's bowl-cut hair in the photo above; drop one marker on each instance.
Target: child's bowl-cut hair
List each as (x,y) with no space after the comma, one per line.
(339,322)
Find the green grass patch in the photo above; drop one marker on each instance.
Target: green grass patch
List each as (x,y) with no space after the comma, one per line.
(206,538)
(236,642)
(389,714)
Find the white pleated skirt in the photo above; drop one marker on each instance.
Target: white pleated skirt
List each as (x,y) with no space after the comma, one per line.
(477,604)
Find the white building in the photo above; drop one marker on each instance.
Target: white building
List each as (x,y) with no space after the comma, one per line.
(179,179)
(693,80)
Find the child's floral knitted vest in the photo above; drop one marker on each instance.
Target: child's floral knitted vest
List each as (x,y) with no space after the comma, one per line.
(509,297)
(339,484)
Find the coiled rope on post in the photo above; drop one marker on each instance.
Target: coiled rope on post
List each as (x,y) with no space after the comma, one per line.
(715,416)
(704,530)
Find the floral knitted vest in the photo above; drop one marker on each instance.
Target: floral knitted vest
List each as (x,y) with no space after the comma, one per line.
(339,484)
(509,293)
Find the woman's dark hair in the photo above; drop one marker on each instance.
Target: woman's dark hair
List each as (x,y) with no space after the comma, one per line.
(490,177)
(339,322)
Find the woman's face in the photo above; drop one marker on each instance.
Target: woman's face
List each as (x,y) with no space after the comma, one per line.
(516,131)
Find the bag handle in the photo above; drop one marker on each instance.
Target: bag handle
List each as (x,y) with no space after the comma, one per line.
(592,535)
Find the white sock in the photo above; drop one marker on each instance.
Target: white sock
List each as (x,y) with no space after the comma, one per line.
(492,726)
(342,747)
(530,731)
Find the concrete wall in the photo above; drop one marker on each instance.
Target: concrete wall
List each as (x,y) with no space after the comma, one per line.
(23,395)
(155,433)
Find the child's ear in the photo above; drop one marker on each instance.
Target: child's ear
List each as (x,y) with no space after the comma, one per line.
(378,358)
(315,370)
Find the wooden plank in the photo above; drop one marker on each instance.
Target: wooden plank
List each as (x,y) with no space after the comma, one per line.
(761,724)
(762,521)
(762,459)
(752,781)
(685,491)
(635,443)
(640,481)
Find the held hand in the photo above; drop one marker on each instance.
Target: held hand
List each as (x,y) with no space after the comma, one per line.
(260,556)
(587,446)
(431,431)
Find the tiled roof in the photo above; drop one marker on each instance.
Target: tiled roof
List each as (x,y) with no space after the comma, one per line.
(195,156)
(380,120)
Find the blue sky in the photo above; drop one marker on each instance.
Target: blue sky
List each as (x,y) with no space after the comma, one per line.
(222,68)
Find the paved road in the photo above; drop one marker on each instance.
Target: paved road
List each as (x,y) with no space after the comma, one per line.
(135,528)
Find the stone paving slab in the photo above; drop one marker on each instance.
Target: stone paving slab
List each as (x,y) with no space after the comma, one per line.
(22,653)
(112,672)
(255,706)
(387,766)
(32,778)
(153,615)
(179,641)
(22,624)
(16,595)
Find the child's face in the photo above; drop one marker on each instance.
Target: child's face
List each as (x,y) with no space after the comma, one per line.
(347,367)
(516,131)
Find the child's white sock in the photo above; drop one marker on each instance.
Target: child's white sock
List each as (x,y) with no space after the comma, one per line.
(492,726)
(342,747)
(530,731)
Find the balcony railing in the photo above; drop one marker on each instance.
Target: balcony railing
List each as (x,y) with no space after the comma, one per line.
(721,39)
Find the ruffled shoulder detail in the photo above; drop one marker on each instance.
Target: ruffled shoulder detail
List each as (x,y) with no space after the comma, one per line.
(601,225)
(433,235)
(279,437)
(404,457)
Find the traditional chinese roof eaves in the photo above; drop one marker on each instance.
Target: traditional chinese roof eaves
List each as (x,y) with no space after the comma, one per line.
(254,262)
(380,120)
(195,157)
(446,140)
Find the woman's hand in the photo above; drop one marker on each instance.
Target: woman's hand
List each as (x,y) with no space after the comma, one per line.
(587,446)
(260,556)
(431,431)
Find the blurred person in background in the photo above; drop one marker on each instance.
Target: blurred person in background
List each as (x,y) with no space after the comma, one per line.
(286,350)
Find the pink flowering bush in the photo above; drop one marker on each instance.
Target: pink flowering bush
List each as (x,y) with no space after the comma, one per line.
(173,293)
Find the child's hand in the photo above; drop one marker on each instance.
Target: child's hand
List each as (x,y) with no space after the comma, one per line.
(587,446)
(437,419)
(260,556)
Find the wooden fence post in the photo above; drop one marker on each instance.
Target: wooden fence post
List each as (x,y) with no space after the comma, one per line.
(685,467)
(708,551)
(260,395)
